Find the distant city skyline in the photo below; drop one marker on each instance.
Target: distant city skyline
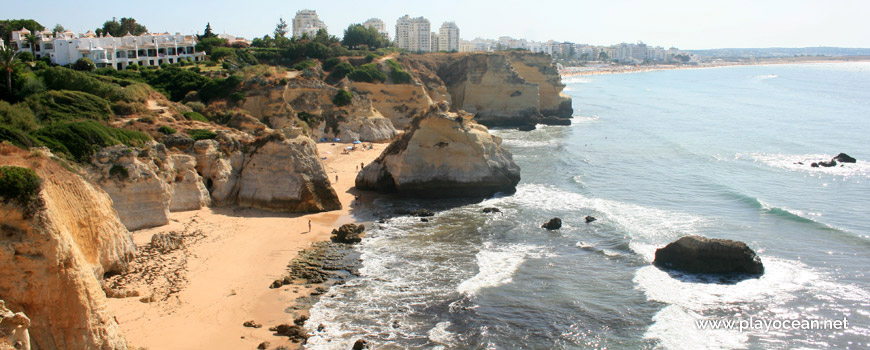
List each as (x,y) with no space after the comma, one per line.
(688,25)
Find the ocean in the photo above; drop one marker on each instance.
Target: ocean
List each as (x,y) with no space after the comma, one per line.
(653,156)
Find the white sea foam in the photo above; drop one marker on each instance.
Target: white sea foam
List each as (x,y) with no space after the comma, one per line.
(439,334)
(793,162)
(576,79)
(496,266)
(689,301)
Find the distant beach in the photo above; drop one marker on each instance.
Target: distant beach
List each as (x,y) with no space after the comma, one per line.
(604,68)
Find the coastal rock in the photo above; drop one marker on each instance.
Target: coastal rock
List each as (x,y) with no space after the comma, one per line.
(348,233)
(360,344)
(219,164)
(696,254)
(52,257)
(252,324)
(264,345)
(500,89)
(590,219)
(400,103)
(164,243)
(13,329)
(286,175)
(422,213)
(187,190)
(491,210)
(131,177)
(300,321)
(442,155)
(844,158)
(553,224)
(828,164)
(294,332)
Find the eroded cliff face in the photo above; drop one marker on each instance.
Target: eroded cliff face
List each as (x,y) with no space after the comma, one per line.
(501,89)
(286,175)
(443,155)
(53,254)
(312,101)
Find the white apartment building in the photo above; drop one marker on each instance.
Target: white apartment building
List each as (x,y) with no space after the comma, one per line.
(433,42)
(107,51)
(306,21)
(413,34)
(379,25)
(448,37)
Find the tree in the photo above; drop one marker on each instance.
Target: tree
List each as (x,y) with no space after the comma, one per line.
(32,40)
(126,25)
(207,33)
(584,56)
(58,28)
(357,35)
(220,53)
(323,37)
(9,26)
(602,56)
(8,58)
(281,28)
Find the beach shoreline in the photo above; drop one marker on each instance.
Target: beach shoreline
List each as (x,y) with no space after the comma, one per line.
(628,69)
(228,270)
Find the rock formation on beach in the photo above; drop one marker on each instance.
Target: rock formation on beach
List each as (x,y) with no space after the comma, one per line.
(696,254)
(54,252)
(442,155)
(13,329)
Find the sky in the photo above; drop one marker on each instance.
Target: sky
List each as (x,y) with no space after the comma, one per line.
(685,24)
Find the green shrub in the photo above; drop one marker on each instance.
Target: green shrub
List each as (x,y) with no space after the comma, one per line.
(19,184)
(192,115)
(84,64)
(397,74)
(119,172)
(341,70)
(342,98)
(133,67)
(176,81)
(371,57)
(79,140)
(196,106)
(201,134)
(305,64)
(17,116)
(60,78)
(25,56)
(219,88)
(310,119)
(128,108)
(330,63)
(166,130)
(147,119)
(368,73)
(17,137)
(64,106)
(238,96)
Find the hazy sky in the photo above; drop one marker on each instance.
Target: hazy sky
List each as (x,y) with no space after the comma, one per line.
(686,24)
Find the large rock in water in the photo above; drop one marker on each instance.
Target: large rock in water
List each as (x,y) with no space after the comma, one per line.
(844,158)
(443,155)
(51,256)
(696,254)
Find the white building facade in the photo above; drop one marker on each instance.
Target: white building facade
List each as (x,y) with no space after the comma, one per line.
(413,34)
(448,37)
(107,51)
(307,22)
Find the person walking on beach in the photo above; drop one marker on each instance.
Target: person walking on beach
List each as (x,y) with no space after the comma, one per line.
(309,225)
(336,178)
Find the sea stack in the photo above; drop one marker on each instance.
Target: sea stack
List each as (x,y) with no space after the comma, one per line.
(696,254)
(443,155)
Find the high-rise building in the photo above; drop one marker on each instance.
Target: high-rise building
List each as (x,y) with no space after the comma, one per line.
(448,37)
(306,21)
(433,42)
(378,25)
(413,34)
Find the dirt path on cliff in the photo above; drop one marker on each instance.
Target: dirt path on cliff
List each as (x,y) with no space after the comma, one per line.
(228,272)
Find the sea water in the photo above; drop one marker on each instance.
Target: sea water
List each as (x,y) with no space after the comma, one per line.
(653,156)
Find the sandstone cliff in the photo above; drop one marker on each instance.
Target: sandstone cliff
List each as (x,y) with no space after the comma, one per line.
(13,329)
(311,101)
(443,154)
(501,89)
(53,254)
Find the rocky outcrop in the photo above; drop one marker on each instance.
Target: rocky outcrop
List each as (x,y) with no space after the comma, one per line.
(553,224)
(286,175)
(696,254)
(219,164)
(400,103)
(13,329)
(311,101)
(844,158)
(502,89)
(187,190)
(442,155)
(52,257)
(348,233)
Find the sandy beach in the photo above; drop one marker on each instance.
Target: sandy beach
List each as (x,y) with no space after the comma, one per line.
(229,269)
